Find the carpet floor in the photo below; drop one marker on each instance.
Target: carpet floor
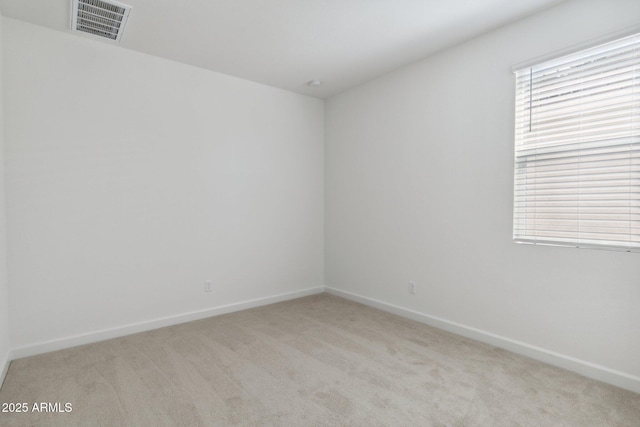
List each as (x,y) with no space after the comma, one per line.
(314,361)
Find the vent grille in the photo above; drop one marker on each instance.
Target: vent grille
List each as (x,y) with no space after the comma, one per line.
(101,18)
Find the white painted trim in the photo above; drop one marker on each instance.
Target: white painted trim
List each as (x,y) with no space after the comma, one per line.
(4,368)
(587,369)
(105,334)
(628,31)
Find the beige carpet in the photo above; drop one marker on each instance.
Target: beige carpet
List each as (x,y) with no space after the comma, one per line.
(315,361)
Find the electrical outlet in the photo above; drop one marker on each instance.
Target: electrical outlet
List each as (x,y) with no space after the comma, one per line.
(208,286)
(412,288)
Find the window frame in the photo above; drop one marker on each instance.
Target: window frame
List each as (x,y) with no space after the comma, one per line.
(607,244)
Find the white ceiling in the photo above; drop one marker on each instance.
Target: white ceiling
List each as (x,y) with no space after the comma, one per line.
(286,43)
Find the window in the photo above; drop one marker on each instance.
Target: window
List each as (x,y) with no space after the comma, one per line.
(577,149)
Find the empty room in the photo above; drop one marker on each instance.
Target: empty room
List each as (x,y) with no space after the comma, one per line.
(320,213)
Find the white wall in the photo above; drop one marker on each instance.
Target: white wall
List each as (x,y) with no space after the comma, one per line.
(4,303)
(133,179)
(419,186)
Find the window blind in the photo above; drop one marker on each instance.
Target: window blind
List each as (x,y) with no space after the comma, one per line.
(577,149)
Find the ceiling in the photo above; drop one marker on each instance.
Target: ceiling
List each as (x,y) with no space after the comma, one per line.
(287,43)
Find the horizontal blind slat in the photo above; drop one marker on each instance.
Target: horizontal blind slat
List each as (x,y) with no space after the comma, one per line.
(577,149)
(568,62)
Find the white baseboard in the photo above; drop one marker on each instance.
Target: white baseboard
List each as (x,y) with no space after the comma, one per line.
(105,334)
(587,369)
(4,367)
(591,370)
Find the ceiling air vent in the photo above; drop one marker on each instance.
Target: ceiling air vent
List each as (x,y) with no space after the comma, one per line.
(103,18)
